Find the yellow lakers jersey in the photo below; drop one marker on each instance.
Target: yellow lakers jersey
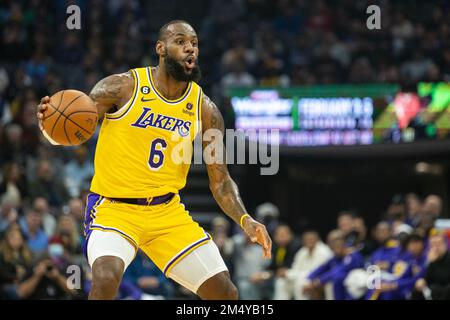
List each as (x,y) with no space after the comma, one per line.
(145,148)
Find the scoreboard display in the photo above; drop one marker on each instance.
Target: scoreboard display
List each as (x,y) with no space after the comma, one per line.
(344,114)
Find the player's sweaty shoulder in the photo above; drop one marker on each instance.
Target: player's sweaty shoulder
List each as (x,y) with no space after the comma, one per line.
(113,91)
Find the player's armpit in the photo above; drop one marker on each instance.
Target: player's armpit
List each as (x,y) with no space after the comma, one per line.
(112,92)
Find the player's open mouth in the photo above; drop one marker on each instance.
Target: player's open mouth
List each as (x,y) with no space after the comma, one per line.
(190,63)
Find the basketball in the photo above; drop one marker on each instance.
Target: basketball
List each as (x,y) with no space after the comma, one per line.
(71,118)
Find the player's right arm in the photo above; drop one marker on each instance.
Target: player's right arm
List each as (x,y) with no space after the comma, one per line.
(109,94)
(112,92)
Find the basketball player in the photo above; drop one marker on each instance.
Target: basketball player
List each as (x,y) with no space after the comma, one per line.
(134,202)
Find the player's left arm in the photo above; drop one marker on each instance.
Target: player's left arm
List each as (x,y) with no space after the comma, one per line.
(223,188)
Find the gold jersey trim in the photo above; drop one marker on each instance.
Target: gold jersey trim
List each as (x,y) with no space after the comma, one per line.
(198,125)
(184,96)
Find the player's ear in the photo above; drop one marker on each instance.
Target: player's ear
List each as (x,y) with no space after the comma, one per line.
(160,48)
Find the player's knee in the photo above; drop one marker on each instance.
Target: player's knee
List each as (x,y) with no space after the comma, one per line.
(228,290)
(106,274)
(232,292)
(106,277)
(218,287)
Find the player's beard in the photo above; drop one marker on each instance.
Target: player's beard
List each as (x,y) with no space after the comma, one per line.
(177,71)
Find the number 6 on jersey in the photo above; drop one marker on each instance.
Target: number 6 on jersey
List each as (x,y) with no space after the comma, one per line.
(156,157)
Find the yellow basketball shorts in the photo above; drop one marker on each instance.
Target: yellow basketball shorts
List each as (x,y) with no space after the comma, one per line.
(165,233)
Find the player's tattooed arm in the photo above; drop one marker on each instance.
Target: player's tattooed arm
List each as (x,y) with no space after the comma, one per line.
(112,92)
(222,186)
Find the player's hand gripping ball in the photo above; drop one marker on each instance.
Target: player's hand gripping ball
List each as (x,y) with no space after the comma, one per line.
(69,117)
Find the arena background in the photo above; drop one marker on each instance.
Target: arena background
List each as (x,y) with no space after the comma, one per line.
(257,45)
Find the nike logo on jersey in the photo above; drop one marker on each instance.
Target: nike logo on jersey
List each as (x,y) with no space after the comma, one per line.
(146,100)
(149,118)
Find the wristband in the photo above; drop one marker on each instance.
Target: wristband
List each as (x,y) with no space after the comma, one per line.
(242,219)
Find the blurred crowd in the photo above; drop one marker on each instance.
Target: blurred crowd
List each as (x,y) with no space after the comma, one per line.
(243,43)
(404,256)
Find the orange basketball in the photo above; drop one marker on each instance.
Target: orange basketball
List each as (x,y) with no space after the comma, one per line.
(71,118)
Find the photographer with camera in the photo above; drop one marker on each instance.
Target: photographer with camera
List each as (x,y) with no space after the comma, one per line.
(19,279)
(47,278)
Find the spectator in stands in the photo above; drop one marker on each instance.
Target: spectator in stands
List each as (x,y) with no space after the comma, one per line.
(29,124)
(15,262)
(396,211)
(248,261)
(78,172)
(359,227)
(285,246)
(70,52)
(346,224)
(361,241)
(219,233)
(13,186)
(31,226)
(361,71)
(417,66)
(407,269)
(426,225)
(8,214)
(49,282)
(40,205)
(414,209)
(401,232)
(144,274)
(67,231)
(268,214)
(37,67)
(432,206)
(334,270)
(19,279)
(47,185)
(238,55)
(313,254)
(237,77)
(56,156)
(272,74)
(289,20)
(435,285)
(386,254)
(13,149)
(76,208)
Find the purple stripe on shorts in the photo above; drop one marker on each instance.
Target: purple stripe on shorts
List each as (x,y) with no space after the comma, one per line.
(184,251)
(92,200)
